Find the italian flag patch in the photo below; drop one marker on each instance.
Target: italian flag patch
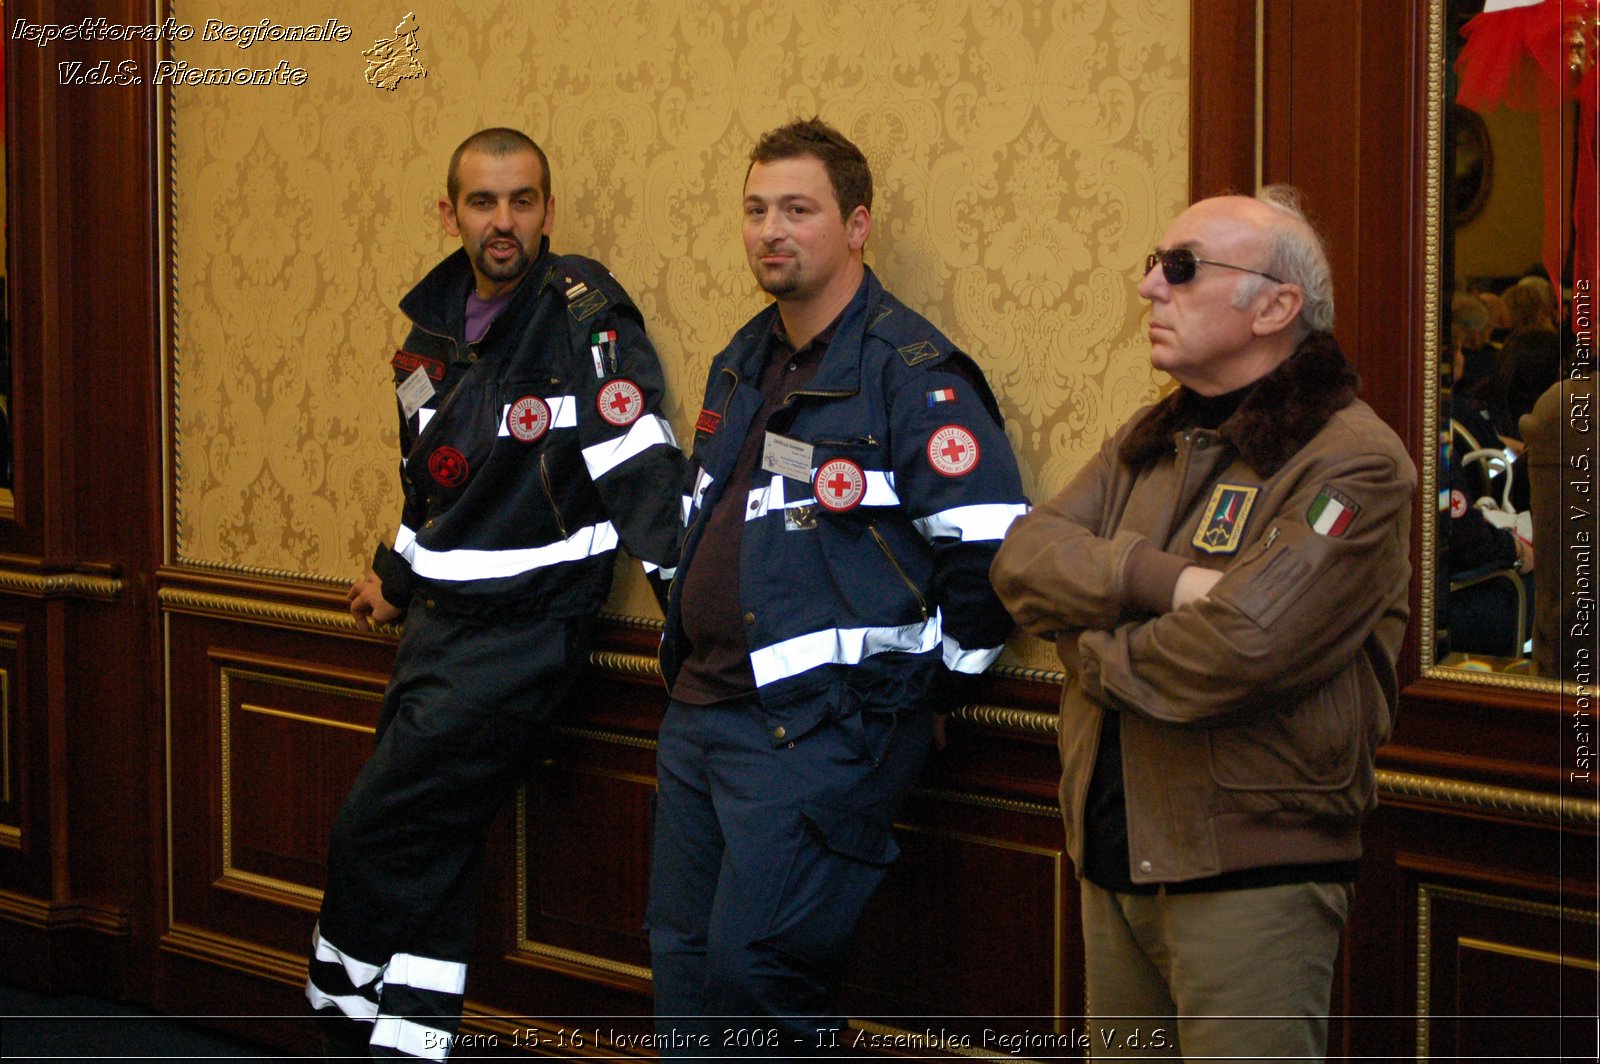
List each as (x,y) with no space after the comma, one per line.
(1331,512)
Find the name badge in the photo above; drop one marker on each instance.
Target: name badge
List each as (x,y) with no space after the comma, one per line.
(414,391)
(787,458)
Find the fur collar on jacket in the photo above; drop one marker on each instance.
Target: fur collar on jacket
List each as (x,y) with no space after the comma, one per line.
(1287,408)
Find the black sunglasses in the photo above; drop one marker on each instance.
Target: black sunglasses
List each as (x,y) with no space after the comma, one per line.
(1179,264)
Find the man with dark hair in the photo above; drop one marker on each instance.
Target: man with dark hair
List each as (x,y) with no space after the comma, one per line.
(853,483)
(1226,585)
(531,444)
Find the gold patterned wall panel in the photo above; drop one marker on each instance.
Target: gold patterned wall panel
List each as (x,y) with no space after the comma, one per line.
(1027,154)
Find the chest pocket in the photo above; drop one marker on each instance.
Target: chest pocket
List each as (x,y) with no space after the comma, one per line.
(531,409)
(851,477)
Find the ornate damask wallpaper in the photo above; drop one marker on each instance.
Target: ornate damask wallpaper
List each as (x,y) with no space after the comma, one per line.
(1027,154)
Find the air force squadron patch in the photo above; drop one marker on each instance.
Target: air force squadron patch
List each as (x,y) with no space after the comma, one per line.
(1222,528)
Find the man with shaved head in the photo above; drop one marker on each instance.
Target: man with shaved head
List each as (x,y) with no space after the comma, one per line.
(1226,585)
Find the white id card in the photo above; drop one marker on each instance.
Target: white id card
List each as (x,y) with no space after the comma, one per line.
(787,458)
(414,391)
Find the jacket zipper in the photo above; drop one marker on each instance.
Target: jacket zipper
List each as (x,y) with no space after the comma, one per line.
(922,603)
(544,479)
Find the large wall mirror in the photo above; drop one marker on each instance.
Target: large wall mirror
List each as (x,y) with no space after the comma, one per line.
(1510,380)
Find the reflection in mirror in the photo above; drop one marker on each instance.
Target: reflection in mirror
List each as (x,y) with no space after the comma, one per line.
(1512,544)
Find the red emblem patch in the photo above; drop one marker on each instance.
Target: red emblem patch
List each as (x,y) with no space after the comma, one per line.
(952,451)
(448,466)
(409,361)
(528,419)
(840,485)
(1458,503)
(708,422)
(620,402)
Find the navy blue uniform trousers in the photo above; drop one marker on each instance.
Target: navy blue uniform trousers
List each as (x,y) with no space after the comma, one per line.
(766,854)
(464,703)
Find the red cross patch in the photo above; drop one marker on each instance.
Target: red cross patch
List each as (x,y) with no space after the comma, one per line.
(528,419)
(952,451)
(840,485)
(448,466)
(620,402)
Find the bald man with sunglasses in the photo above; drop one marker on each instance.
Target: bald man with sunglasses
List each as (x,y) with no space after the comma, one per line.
(1225,583)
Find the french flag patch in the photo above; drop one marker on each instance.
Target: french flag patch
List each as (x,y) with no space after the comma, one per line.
(942,395)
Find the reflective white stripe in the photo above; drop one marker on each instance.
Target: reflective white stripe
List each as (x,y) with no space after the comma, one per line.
(763,500)
(839,646)
(701,483)
(403,539)
(687,507)
(971,662)
(652,567)
(563,413)
(645,433)
(426,973)
(425,415)
(467,564)
(360,972)
(352,1005)
(413,1038)
(972,523)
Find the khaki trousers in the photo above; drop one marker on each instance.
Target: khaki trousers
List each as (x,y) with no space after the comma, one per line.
(1230,975)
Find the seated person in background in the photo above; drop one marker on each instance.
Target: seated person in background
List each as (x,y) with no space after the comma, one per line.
(1481,617)
(1530,303)
(1555,431)
(1529,363)
(1472,359)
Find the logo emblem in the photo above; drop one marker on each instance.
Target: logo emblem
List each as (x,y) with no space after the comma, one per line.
(840,485)
(708,422)
(528,419)
(1222,528)
(448,466)
(391,61)
(1458,503)
(620,402)
(952,451)
(1332,512)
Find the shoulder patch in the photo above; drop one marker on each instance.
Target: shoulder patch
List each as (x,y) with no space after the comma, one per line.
(918,353)
(586,304)
(409,362)
(1332,511)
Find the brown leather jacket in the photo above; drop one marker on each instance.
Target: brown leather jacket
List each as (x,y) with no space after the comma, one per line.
(1251,717)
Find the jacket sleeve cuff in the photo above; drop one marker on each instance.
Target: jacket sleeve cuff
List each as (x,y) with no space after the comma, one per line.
(1150,576)
(395,575)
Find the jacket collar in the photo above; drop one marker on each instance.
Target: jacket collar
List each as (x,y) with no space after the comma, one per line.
(438,303)
(1286,409)
(840,371)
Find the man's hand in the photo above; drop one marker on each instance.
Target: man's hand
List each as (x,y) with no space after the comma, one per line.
(367,604)
(1194,583)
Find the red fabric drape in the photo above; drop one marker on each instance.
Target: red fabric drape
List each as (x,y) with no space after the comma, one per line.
(1518,58)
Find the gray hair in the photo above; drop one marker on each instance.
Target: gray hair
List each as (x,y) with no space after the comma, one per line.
(1295,254)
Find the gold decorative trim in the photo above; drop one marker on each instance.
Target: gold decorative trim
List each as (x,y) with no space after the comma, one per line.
(601,735)
(1026,721)
(1506,681)
(60,585)
(239,879)
(1576,812)
(258,572)
(10,836)
(624,663)
(652,624)
(1523,953)
(536,951)
(1432,214)
(986,801)
(183,600)
(1018,672)
(1426,892)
